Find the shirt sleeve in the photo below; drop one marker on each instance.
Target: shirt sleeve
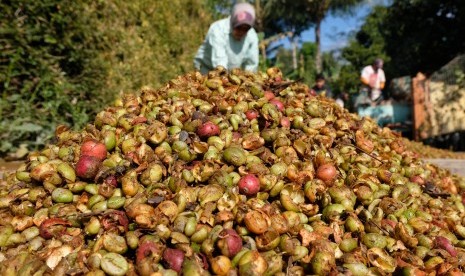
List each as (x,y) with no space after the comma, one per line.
(218,42)
(365,73)
(251,56)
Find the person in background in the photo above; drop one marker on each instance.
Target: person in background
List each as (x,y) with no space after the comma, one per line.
(321,88)
(373,80)
(230,42)
(342,98)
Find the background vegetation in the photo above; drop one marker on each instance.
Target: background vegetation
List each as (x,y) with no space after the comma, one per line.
(412,36)
(61,61)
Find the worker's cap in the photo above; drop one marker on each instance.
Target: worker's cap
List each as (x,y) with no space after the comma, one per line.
(378,62)
(243,14)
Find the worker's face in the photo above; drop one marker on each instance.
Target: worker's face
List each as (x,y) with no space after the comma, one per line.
(320,83)
(377,66)
(240,31)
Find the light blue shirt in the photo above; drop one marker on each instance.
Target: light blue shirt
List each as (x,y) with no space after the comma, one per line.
(220,48)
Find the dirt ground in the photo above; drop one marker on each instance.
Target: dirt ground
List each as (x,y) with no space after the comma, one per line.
(8,166)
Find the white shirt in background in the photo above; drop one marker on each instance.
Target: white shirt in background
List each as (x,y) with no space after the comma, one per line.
(375,79)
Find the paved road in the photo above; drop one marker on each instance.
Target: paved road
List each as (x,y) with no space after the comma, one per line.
(456,166)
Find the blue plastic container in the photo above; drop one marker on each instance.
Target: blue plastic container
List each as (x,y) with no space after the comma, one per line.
(387,113)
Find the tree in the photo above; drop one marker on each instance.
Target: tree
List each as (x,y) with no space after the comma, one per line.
(299,15)
(305,66)
(285,16)
(49,64)
(219,8)
(411,36)
(423,35)
(153,41)
(366,45)
(306,70)
(65,60)
(322,8)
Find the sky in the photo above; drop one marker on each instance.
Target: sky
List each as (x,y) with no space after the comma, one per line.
(336,30)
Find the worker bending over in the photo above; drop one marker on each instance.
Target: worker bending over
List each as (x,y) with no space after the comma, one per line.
(231,42)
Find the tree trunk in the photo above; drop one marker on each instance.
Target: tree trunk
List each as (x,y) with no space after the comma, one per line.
(301,66)
(318,59)
(258,16)
(263,52)
(259,28)
(294,52)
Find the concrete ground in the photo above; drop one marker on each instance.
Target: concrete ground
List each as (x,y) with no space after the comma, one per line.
(456,166)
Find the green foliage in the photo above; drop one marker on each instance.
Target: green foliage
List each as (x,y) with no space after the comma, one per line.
(308,70)
(48,55)
(306,64)
(61,61)
(368,42)
(298,15)
(348,80)
(220,8)
(423,35)
(367,45)
(412,36)
(331,66)
(151,41)
(287,15)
